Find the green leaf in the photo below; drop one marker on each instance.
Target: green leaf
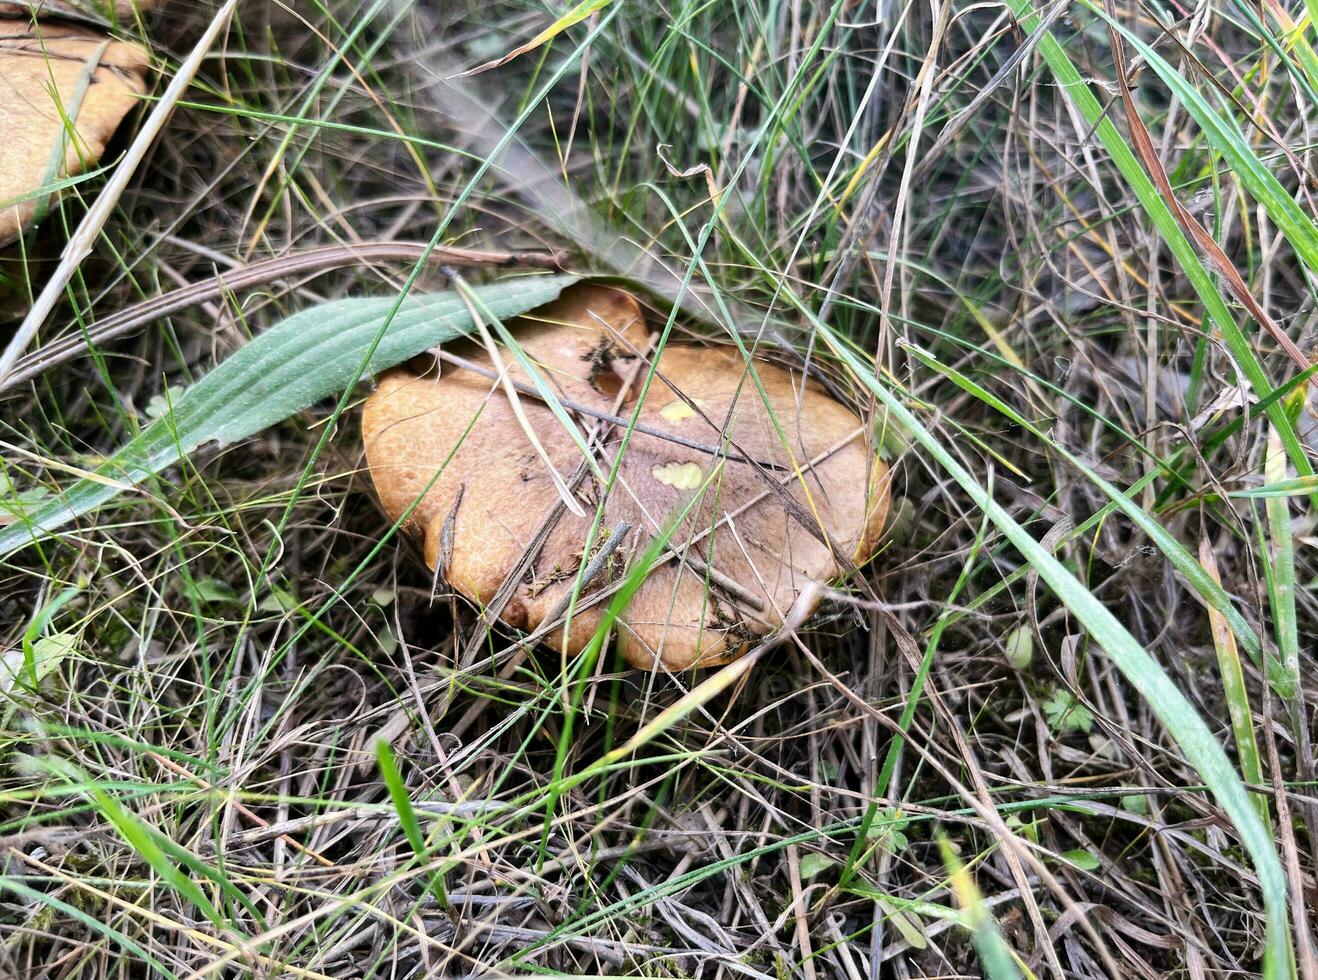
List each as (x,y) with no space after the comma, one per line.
(212,590)
(814,864)
(14,501)
(1294,487)
(1082,859)
(293,365)
(159,405)
(1136,803)
(1065,713)
(32,635)
(277,600)
(910,926)
(1018,647)
(887,831)
(18,669)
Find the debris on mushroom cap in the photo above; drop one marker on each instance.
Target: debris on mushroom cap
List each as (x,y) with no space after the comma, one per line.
(97,82)
(737,581)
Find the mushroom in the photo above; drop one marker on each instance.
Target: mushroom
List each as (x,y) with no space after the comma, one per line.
(48,75)
(773,502)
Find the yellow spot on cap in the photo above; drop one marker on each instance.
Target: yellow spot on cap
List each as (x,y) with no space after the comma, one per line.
(683,476)
(676,411)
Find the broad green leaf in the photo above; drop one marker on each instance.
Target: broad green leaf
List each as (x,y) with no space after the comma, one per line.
(293,365)
(31,654)
(1082,859)
(1136,803)
(908,925)
(1065,713)
(212,591)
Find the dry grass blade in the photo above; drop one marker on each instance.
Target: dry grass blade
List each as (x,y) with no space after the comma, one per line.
(1221,263)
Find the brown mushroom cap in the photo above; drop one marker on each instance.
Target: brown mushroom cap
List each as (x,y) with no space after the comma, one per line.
(31,119)
(494,494)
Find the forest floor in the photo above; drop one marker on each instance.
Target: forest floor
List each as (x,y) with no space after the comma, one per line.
(1061,258)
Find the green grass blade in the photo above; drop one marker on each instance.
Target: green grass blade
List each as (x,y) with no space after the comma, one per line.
(1225,137)
(578,13)
(144,842)
(1164,698)
(994,953)
(637,573)
(1208,588)
(1235,692)
(1132,171)
(393,779)
(93,923)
